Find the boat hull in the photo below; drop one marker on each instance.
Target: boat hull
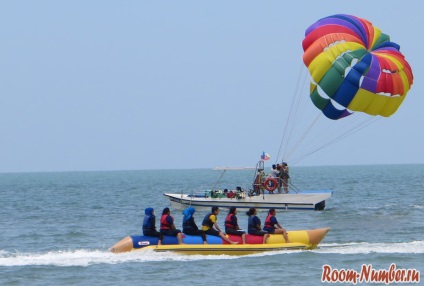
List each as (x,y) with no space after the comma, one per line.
(312,200)
(299,240)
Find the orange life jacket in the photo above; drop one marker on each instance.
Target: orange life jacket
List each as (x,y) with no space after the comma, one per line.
(164,224)
(229,222)
(268,223)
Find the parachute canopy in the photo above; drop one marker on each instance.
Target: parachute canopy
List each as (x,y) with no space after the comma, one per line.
(354,67)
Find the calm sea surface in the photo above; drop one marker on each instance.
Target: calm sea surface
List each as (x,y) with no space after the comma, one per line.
(55,228)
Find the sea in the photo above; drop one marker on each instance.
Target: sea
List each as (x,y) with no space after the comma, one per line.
(56,228)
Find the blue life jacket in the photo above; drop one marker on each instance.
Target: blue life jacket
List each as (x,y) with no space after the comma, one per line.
(189,224)
(149,220)
(207,221)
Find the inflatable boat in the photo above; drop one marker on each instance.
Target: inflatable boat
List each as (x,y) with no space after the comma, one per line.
(298,239)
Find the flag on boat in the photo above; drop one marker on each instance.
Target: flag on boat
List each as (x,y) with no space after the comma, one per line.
(265,156)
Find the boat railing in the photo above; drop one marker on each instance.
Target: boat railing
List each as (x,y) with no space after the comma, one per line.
(199,194)
(238,193)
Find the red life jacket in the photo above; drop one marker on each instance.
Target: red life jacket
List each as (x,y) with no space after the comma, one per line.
(164,224)
(268,223)
(229,222)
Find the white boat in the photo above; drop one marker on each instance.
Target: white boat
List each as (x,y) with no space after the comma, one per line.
(242,199)
(303,200)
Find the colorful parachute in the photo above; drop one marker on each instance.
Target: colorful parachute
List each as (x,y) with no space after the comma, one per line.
(354,67)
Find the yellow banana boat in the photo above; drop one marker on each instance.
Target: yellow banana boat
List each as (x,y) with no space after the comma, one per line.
(298,239)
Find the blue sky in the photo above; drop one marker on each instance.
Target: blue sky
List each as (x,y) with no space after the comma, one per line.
(128,85)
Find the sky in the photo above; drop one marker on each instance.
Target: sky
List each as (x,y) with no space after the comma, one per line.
(133,85)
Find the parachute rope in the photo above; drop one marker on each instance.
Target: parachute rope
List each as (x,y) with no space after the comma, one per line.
(352,130)
(302,138)
(291,118)
(298,148)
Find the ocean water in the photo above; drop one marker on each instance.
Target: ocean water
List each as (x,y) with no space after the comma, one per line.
(56,227)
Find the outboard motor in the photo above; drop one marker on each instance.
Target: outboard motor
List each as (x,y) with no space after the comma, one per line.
(320,206)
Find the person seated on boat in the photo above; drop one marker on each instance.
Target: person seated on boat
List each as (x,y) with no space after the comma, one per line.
(231,225)
(210,226)
(240,193)
(189,226)
(217,194)
(254,225)
(272,226)
(167,226)
(228,194)
(149,225)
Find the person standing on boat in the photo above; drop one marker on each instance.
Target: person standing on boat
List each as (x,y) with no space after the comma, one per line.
(209,225)
(274,172)
(231,225)
(279,179)
(254,225)
(285,177)
(167,226)
(189,226)
(272,226)
(274,175)
(149,225)
(258,183)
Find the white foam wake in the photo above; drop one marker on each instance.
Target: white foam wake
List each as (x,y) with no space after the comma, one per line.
(414,247)
(84,257)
